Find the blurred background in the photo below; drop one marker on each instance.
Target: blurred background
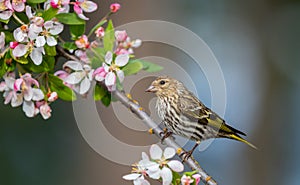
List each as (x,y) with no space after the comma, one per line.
(257,45)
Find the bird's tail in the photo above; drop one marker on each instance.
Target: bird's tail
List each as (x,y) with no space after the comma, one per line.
(238,138)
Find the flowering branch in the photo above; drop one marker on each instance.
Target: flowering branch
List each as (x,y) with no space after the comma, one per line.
(138,110)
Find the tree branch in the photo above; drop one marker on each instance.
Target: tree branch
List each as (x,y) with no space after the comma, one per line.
(136,109)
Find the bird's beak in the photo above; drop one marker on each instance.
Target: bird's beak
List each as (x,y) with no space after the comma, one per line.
(151,88)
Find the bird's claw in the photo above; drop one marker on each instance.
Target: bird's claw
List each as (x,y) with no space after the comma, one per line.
(186,155)
(165,134)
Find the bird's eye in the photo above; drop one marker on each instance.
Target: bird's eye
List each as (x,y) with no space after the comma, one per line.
(162,82)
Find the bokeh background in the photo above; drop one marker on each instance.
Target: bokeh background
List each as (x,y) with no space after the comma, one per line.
(257,44)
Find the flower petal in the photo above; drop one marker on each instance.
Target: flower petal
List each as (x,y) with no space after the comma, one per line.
(28,94)
(74,65)
(40,41)
(88,6)
(51,41)
(141,181)
(155,152)
(166,175)
(169,153)
(16,100)
(84,86)
(122,60)
(108,57)
(45,111)
(19,6)
(56,29)
(5,14)
(176,166)
(132,176)
(20,50)
(75,78)
(28,108)
(37,94)
(120,75)
(110,79)
(145,156)
(37,56)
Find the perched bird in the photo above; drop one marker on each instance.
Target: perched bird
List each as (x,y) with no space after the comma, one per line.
(185,115)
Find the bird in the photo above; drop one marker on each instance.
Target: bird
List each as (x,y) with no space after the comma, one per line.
(183,114)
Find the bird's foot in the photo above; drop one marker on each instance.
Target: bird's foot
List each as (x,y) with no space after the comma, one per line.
(186,155)
(165,134)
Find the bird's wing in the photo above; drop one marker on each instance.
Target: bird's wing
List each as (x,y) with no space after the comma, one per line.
(196,111)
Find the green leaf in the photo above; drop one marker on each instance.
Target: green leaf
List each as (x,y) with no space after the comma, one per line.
(176,178)
(8,36)
(22,16)
(64,92)
(96,56)
(69,45)
(50,13)
(149,66)
(3,67)
(35,1)
(106,99)
(4,21)
(109,37)
(70,19)
(132,68)
(97,26)
(45,66)
(99,92)
(77,31)
(50,50)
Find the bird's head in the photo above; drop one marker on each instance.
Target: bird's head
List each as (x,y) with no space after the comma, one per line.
(164,85)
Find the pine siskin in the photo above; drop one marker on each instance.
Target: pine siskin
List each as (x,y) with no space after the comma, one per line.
(185,115)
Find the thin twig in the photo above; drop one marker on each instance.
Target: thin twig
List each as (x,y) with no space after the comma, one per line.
(136,109)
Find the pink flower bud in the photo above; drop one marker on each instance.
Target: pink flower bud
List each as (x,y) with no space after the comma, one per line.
(115,7)
(121,36)
(54,4)
(100,32)
(45,111)
(197,178)
(52,96)
(14,44)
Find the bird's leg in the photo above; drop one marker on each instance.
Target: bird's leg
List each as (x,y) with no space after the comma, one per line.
(165,134)
(188,154)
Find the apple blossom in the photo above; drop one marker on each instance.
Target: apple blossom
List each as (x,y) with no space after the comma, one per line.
(81,77)
(81,6)
(82,42)
(114,7)
(82,56)
(62,5)
(21,91)
(186,180)
(7,8)
(124,44)
(142,169)
(161,158)
(112,68)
